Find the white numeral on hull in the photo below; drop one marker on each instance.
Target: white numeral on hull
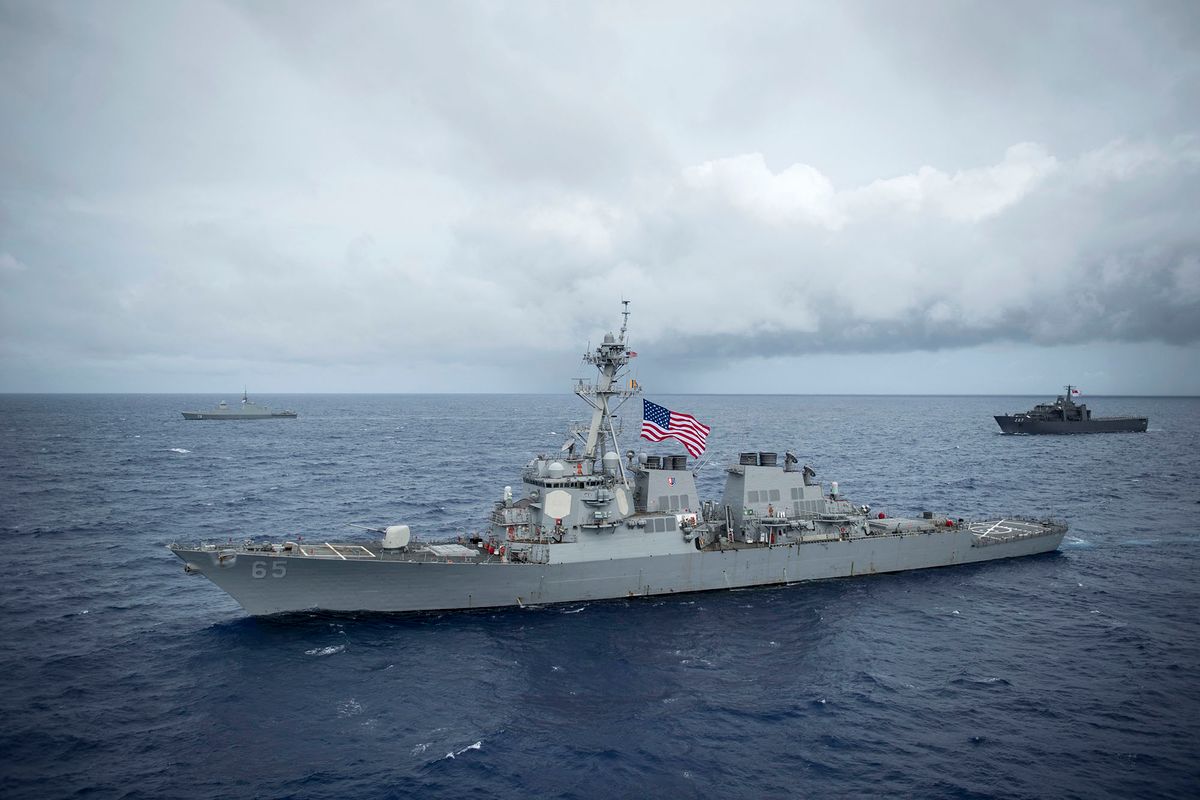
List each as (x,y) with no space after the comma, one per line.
(259,569)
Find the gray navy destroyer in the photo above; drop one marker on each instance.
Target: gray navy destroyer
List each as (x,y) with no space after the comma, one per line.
(1064,415)
(247,410)
(588,523)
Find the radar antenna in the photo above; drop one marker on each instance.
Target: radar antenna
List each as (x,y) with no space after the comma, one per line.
(610,359)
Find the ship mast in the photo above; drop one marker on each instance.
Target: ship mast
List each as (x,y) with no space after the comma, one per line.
(610,359)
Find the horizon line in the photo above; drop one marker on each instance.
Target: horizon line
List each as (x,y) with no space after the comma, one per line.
(552,394)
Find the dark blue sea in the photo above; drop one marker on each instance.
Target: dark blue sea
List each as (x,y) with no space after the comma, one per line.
(1074,674)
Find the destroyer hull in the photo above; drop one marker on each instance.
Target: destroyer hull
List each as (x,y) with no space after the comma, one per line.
(273,583)
(1017,424)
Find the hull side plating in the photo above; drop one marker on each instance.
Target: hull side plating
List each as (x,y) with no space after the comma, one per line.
(1017,424)
(272,584)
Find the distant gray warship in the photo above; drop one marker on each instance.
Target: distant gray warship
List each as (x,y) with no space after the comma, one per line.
(592,524)
(1064,415)
(248,410)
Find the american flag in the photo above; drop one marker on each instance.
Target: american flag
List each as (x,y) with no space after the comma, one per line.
(660,423)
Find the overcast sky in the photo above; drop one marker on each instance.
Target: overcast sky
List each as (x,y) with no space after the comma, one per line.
(874,197)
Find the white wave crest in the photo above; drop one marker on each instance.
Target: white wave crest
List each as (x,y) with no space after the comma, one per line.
(325,651)
(477,746)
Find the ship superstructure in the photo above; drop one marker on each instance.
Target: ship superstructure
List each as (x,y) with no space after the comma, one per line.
(590,523)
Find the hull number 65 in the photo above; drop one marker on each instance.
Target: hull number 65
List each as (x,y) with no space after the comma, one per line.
(259,569)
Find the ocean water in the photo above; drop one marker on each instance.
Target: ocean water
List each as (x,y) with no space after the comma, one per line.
(1073,674)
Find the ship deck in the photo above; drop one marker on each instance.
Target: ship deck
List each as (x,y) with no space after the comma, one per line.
(1008,530)
(443,552)
(986,532)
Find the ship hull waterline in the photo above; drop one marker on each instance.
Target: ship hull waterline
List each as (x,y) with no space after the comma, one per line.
(1017,425)
(272,583)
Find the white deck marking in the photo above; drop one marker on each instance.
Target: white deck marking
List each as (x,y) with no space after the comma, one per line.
(996,527)
(1004,529)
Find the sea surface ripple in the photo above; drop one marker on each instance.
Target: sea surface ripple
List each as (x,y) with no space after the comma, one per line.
(1067,675)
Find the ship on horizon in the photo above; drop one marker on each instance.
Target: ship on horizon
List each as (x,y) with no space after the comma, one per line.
(1064,415)
(247,410)
(588,523)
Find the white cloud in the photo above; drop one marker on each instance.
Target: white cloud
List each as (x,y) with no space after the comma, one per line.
(801,194)
(968,195)
(798,194)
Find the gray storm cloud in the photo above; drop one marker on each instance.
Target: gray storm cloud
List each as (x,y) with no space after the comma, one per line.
(740,260)
(458,184)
